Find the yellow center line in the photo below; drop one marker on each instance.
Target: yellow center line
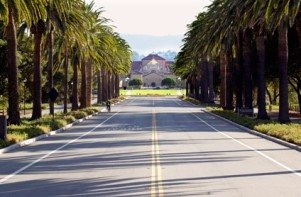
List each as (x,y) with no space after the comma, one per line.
(156,176)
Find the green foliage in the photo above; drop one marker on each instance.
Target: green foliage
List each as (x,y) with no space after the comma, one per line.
(288,132)
(89,111)
(77,114)
(170,83)
(69,119)
(135,82)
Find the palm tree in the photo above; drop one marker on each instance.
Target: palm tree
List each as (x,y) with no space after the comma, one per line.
(13,93)
(260,44)
(283,73)
(11,13)
(38,30)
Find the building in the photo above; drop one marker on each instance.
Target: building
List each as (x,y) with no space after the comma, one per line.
(152,70)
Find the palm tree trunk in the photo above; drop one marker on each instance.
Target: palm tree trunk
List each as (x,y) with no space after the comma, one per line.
(66,79)
(238,72)
(187,87)
(247,66)
(83,95)
(74,87)
(104,77)
(37,90)
(262,113)
(13,93)
(229,82)
(211,85)
(283,73)
(89,83)
(223,66)
(99,88)
(109,85)
(204,82)
(196,81)
(50,65)
(117,86)
(191,86)
(113,85)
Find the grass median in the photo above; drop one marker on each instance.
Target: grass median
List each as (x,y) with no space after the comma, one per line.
(290,132)
(153,92)
(29,129)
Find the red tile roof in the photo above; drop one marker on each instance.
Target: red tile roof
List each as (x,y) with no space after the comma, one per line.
(153,56)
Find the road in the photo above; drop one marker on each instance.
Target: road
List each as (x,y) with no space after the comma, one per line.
(152,147)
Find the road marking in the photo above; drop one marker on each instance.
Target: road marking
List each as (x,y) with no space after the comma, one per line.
(177,103)
(251,148)
(54,151)
(156,176)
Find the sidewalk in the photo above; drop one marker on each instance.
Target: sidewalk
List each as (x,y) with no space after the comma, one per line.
(57,108)
(295,116)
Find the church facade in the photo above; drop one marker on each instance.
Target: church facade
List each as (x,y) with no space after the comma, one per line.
(151,70)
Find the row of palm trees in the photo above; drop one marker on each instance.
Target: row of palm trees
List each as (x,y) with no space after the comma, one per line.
(65,33)
(244,37)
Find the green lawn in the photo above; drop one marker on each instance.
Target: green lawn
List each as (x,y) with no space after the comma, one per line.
(150,92)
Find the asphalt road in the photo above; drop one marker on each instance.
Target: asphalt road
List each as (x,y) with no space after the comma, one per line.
(152,147)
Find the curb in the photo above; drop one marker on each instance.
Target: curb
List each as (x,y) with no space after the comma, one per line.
(32,140)
(256,133)
(253,132)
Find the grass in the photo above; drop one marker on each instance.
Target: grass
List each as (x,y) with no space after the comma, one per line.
(152,92)
(29,129)
(290,132)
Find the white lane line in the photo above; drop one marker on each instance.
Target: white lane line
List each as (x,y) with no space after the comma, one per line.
(177,103)
(251,148)
(54,151)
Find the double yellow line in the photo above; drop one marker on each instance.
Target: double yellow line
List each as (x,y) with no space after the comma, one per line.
(156,177)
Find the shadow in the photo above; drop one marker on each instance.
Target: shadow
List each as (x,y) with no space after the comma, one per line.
(115,158)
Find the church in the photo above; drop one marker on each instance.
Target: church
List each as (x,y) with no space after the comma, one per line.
(151,70)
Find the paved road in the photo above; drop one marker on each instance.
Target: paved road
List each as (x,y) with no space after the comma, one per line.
(152,147)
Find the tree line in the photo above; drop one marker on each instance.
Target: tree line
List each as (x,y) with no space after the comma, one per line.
(58,41)
(253,44)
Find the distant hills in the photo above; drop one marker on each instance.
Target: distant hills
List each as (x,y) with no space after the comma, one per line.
(146,44)
(168,55)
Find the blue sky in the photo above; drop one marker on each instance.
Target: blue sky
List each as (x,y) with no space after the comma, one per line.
(152,17)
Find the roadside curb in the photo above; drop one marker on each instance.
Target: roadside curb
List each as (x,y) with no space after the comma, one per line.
(32,140)
(253,132)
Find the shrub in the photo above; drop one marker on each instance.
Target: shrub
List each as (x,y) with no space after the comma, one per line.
(53,124)
(91,110)
(287,132)
(78,114)
(169,82)
(69,119)
(136,83)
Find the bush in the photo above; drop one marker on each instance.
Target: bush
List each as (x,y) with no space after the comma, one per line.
(137,83)
(88,111)
(287,132)
(17,133)
(69,119)
(55,124)
(77,114)
(169,82)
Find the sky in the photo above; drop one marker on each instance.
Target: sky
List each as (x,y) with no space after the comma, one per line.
(157,18)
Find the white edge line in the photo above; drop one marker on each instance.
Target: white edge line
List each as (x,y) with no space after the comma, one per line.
(251,148)
(54,151)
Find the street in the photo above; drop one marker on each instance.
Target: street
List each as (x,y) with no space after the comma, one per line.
(152,146)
